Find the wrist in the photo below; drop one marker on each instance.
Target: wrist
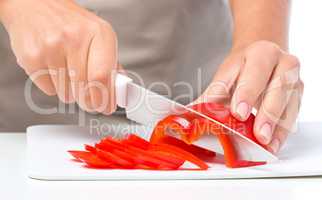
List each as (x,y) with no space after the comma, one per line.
(240,45)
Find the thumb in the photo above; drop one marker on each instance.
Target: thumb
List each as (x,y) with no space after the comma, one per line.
(219,90)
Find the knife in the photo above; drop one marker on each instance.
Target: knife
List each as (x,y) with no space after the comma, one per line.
(148,108)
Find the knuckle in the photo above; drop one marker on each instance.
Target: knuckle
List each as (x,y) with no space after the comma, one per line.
(102,27)
(94,26)
(54,40)
(246,92)
(97,75)
(70,31)
(301,85)
(268,47)
(32,57)
(293,61)
(272,111)
(73,34)
(108,27)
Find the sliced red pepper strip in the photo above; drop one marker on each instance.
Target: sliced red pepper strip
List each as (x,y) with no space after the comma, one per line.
(111,147)
(112,158)
(197,151)
(91,159)
(230,153)
(180,153)
(246,163)
(140,156)
(168,157)
(90,148)
(112,144)
(144,149)
(138,163)
(131,158)
(76,154)
(178,124)
(124,155)
(136,141)
(160,161)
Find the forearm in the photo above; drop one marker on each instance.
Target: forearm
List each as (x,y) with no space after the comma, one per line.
(256,20)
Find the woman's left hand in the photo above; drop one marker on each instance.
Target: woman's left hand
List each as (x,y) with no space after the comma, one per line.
(264,77)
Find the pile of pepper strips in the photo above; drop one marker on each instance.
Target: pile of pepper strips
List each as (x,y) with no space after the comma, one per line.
(165,152)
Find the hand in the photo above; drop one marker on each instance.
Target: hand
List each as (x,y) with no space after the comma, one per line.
(66,50)
(264,77)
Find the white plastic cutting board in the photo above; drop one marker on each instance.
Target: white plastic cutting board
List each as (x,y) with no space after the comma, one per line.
(48,158)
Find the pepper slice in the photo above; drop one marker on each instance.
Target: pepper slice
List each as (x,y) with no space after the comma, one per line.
(181,153)
(90,148)
(112,158)
(91,159)
(157,159)
(139,144)
(136,153)
(140,156)
(180,124)
(196,150)
(112,146)
(136,141)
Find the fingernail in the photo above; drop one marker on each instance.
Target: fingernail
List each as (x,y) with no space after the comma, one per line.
(266,133)
(243,110)
(274,146)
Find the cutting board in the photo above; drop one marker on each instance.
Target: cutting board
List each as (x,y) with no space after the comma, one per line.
(48,158)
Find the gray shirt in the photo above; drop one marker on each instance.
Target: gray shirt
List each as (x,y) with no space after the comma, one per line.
(173,41)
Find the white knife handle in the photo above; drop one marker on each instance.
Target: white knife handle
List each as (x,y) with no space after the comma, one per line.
(121,83)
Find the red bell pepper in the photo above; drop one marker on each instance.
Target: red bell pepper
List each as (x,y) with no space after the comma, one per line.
(190,127)
(223,115)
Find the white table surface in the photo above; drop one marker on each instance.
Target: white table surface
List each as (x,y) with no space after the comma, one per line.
(14,184)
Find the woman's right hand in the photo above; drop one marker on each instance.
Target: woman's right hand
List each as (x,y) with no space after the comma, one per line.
(65,49)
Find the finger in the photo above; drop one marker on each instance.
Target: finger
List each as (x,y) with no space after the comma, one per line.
(77,69)
(276,98)
(102,66)
(223,81)
(286,125)
(38,72)
(253,79)
(56,62)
